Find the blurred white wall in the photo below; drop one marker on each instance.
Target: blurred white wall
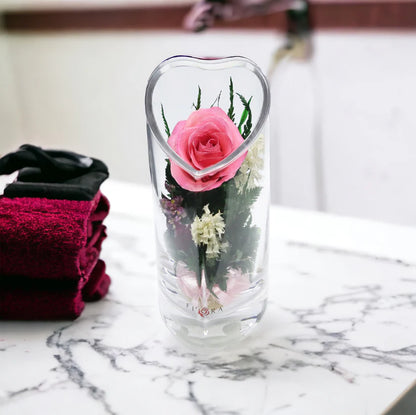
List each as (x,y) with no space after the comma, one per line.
(86,91)
(343,127)
(355,129)
(10,113)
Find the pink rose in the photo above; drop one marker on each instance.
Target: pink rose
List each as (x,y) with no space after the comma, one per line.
(205,138)
(237,282)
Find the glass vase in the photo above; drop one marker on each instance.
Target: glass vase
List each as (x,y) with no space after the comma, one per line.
(208,144)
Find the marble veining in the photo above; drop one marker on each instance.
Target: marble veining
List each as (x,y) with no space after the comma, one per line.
(349,252)
(339,337)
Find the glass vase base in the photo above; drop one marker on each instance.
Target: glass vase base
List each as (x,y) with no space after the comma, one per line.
(204,334)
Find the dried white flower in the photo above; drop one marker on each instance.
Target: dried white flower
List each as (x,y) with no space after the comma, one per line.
(208,230)
(250,171)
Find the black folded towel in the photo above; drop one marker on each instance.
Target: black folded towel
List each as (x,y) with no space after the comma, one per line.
(52,174)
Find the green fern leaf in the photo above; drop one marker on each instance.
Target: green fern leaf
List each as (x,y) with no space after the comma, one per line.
(231,108)
(165,122)
(246,117)
(198,99)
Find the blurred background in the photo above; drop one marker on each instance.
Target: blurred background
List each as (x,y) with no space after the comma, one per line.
(343,80)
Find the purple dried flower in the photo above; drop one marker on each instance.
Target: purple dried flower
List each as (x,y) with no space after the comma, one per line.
(169,187)
(173,210)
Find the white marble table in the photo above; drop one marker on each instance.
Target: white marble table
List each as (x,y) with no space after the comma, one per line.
(338,338)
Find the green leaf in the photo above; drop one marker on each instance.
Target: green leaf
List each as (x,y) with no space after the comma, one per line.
(202,264)
(246,117)
(231,108)
(198,100)
(244,114)
(165,122)
(251,195)
(222,283)
(238,205)
(217,100)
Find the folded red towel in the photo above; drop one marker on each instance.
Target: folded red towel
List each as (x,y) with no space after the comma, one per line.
(89,255)
(96,286)
(45,299)
(49,238)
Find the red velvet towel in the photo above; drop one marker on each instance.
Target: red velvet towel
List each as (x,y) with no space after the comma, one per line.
(96,286)
(46,299)
(49,238)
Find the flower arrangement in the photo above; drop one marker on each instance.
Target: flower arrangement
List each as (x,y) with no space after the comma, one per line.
(210,234)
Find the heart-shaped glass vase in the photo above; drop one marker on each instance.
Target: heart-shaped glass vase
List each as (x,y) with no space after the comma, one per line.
(207,127)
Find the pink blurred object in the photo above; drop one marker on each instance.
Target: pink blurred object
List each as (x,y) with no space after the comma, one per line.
(206,12)
(200,296)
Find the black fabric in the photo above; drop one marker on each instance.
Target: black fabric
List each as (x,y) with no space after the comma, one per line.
(28,284)
(53,174)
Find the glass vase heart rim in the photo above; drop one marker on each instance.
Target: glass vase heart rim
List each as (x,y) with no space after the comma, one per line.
(218,64)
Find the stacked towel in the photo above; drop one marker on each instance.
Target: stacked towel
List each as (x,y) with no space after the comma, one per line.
(51,232)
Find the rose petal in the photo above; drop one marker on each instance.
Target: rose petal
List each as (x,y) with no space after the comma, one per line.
(204,139)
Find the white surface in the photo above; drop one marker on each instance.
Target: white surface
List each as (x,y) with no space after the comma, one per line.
(338,336)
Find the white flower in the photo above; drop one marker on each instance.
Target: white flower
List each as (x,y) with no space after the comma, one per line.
(208,230)
(250,171)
